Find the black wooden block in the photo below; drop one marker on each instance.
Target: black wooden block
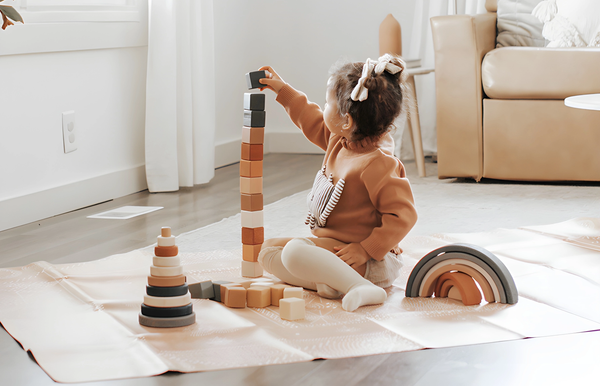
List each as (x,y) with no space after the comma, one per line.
(253,77)
(254,118)
(254,101)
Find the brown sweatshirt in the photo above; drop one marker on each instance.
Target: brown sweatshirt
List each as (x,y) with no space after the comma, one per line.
(376,207)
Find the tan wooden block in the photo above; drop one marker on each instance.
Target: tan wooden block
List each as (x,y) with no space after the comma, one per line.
(250,252)
(259,296)
(292,309)
(166,281)
(252,152)
(251,168)
(235,297)
(253,236)
(253,135)
(251,185)
(252,202)
(225,287)
(251,269)
(166,251)
(277,293)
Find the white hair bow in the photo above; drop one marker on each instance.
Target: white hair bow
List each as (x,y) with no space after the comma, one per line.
(360,92)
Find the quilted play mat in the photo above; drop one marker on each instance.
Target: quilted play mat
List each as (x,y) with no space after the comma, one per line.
(80,321)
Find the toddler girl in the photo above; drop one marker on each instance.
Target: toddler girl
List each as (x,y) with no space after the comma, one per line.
(361,204)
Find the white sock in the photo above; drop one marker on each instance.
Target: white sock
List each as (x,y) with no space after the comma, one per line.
(311,263)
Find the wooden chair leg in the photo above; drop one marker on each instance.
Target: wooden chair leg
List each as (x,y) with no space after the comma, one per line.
(415,127)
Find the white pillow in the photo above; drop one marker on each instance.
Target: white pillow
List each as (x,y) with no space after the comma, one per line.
(517,26)
(570,23)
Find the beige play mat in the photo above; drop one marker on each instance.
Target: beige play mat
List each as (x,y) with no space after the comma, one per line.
(80,321)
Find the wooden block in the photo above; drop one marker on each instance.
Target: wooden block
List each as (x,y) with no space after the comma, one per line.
(250,252)
(202,290)
(252,202)
(253,236)
(259,296)
(252,152)
(251,269)
(253,118)
(235,297)
(251,185)
(292,309)
(169,251)
(253,77)
(173,301)
(179,321)
(277,293)
(161,261)
(252,219)
(253,135)
(166,281)
(163,312)
(166,271)
(166,291)
(165,232)
(251,168)
(293,292)
(254,101)
(217,289)
(225,287)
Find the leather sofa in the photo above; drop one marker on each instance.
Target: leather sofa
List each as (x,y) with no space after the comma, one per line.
(501,112)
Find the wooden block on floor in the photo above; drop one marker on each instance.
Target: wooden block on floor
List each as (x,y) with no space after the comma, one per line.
(293,292)
(251,168)
(259,296)
(253,135)
(202,290)
(166,271)
(217,289)
(292,309)
(179,321)
(235,297)
(166,281)
(251,202)
(168,251)
(277,293)
(223,288)
(253,236)
(252,219)
(252,152)
(251,269)
(160,261)
(251,185)
(250,252)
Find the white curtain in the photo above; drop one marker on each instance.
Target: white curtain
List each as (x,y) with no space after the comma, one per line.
(180,89)
(421,46)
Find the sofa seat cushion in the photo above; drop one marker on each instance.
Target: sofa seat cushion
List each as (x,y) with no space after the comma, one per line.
(540,73)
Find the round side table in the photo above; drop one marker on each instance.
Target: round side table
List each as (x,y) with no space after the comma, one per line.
(587,101)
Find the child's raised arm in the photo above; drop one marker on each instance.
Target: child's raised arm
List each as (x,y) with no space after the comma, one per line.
(273,82)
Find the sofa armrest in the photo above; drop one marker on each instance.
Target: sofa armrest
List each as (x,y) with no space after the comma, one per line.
(460,42)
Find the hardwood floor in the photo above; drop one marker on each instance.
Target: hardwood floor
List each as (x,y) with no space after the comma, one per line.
(71,237)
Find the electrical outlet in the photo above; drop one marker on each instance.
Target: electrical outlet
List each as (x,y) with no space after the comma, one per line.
(69,132)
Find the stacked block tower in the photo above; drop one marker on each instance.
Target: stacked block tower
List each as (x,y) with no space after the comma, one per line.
(167,302)
(251,176)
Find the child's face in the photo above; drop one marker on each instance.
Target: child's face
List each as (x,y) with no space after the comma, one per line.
(331,115)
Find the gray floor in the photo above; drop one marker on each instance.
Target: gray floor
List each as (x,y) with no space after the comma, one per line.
(444,206)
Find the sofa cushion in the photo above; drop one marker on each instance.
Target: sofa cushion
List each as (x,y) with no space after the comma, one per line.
(517,26)
(540,73)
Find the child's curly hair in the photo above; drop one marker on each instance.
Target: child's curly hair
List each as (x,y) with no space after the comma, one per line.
(374,116)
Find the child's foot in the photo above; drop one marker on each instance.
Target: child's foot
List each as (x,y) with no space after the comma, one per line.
(327,292)
(363,295)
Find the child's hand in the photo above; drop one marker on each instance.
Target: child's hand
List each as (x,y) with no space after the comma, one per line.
(353,254)
(273,82)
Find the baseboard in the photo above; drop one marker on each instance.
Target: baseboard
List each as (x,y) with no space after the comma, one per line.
(62,199)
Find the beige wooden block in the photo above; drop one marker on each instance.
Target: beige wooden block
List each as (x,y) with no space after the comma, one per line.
(235,297)
(166,271)
(252,219)
(251,269)
(292,309)
(293,292)
(160,261)
(277,293)
(165,241)
(225,287)
(259,296)
(251,185)
(253,135)
(250,252)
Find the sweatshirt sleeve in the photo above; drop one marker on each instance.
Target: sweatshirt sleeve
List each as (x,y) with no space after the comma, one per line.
(307,115)
(390,193)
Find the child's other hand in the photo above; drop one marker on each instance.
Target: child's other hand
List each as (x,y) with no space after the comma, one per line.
(273,82)
(353,254)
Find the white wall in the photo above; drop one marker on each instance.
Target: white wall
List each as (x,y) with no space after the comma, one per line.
(106,89)
(301,40)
